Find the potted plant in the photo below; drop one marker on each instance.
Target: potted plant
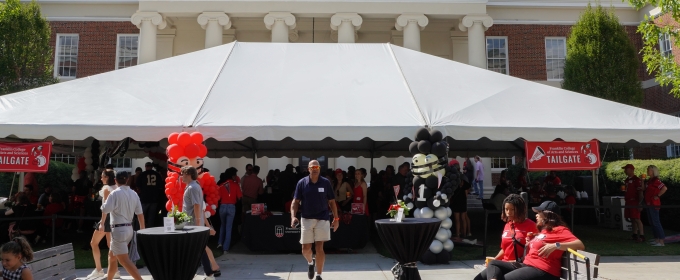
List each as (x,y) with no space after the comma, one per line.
(394,208)
(181,218)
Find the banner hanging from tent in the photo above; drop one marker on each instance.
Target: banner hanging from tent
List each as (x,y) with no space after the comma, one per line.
(25,157)
(558,155)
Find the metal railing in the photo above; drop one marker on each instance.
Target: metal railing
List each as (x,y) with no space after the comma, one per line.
(571,209)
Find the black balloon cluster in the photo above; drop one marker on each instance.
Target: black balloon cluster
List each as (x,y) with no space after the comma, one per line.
(430,192)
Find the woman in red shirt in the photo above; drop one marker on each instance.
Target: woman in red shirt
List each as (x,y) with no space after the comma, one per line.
(360,188)
(230,192)
(514,235)
(655,189)
(544,259)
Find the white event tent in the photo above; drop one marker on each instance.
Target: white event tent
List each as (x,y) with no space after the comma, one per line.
(330,99)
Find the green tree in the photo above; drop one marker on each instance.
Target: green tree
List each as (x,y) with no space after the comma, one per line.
(651,33)
(25,53)
(601,60)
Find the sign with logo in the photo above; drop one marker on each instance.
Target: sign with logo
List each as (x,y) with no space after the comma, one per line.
(25,157)
(357,208)
(558,155)
(278,231)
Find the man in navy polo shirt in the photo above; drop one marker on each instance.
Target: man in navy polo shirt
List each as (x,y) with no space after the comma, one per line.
(313,196)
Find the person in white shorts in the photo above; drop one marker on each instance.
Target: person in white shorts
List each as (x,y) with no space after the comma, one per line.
(313,195)
(122,205)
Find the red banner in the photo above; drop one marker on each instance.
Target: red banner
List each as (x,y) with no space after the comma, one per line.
(25,157)
(558,155)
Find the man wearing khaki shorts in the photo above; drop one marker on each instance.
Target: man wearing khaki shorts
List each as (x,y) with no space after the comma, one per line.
(313,195)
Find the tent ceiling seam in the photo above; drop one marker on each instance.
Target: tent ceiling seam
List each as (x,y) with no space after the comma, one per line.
(212,84)
(408,87)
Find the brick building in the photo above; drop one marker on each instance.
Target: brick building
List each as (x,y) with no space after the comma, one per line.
(522,38)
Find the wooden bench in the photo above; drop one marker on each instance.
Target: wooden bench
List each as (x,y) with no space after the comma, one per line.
(54,263)
(580,265)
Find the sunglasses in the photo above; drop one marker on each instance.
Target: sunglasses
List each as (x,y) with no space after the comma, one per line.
(315,167)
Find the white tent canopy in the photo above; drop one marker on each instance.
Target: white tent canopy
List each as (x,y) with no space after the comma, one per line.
(365,95)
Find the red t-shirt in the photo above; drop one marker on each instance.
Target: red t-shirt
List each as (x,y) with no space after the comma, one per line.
(633,185)
(553,263)
(520,231)
(229,196)
(654,186)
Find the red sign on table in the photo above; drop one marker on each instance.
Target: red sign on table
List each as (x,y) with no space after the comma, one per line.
(25,157)
(558,155)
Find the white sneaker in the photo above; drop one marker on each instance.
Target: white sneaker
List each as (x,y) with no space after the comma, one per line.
(117,275)
(209,278)
(97,273)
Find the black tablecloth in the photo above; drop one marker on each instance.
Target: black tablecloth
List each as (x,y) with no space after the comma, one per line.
(275,234)
(407,242)
(172,255)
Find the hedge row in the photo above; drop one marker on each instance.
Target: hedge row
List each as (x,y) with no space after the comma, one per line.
(58,176)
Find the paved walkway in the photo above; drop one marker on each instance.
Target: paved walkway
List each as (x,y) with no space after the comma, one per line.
(371,266)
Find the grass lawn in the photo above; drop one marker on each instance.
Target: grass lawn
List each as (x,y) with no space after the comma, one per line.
(599,240)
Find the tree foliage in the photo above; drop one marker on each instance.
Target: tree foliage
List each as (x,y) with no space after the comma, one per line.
(25,52)
(601,60)
(651,32)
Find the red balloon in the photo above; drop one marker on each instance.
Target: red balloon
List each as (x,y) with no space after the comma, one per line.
(202,151)
(196,137)
(175,151)
(172,139)
(191,150)
(168,206)
(184,139)
(168,191)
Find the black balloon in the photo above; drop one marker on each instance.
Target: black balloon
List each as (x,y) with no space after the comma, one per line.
(408,200)
(436,136)
(438,149)
(422,134)
(428,258)
(443,257)
(419,203)
(431,182)
(417,181)
(424,147)
(448,191)
(413,148)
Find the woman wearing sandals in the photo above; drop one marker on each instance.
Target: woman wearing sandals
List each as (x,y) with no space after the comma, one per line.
(103,227)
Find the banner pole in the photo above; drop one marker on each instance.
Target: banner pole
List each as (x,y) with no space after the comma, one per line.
(11,187)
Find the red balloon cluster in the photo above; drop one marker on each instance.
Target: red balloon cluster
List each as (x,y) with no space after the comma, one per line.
(187,149)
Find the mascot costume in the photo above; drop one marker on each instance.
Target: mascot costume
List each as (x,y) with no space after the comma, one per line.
(429,194)
(188,150)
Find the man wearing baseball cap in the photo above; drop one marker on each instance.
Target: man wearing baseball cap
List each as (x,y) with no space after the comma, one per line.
(122,204)
(633,197)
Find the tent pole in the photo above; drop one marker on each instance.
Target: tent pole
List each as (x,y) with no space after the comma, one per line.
(596,194)
(371,160)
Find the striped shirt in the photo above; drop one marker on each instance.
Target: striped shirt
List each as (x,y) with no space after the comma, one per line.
(123,203)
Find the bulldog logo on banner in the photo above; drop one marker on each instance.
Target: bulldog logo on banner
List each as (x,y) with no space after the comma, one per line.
(278,231)
(559,155)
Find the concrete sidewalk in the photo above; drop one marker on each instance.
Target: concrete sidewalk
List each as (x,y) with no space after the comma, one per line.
(372,266)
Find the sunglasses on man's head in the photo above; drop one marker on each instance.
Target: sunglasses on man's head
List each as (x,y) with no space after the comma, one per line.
(315,167)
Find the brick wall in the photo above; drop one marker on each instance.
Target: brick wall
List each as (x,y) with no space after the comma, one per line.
(526,47)
(97,43)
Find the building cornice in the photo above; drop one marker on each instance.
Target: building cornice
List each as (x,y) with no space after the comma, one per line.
(553,4)
(88,19)
(549,22)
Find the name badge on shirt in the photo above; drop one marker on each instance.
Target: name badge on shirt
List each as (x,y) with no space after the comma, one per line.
(322,190)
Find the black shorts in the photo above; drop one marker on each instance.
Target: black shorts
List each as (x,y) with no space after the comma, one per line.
(107,224)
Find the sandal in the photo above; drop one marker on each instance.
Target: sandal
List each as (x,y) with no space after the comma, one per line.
(217,273)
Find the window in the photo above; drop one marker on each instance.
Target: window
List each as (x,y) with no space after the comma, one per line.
(64,158)
(665,45)
(673,150)
(66,60)
(121,162)
(555,54)
(126,50)
(497,54)
(502,163)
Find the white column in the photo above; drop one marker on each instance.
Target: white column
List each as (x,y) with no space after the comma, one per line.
(411,24)
(475,25)
(213,23)
(346,24)
(280,23)
(148,23)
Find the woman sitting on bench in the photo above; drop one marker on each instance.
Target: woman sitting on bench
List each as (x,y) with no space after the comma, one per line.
(514,235)
(544,259)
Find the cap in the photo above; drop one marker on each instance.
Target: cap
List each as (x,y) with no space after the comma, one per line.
(547,205)
(123,175)
(628,166)
(338,171)
(453,162)
(148,163)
